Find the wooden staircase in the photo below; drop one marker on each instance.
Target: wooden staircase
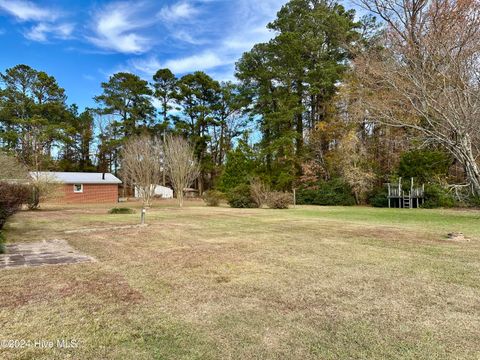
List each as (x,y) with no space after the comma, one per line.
(407,201)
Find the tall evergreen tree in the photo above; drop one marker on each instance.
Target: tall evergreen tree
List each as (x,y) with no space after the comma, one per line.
(32,114)
(128,98)
(198,97)
(126,102)
(165,89)
(293,76)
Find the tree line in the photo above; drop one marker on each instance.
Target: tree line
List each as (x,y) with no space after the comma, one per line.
(332,101)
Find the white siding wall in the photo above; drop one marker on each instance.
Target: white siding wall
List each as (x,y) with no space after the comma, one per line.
(164,192)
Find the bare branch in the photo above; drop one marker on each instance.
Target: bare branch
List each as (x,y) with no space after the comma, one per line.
(180,164)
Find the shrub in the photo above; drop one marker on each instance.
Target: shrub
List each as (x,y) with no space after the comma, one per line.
(240,166)
(278,200)
(241,197)
(379,197)
(121,211)
(12,197)
(437,196)
(259,191)
(44,187)
(424,165)
(2,243)
(473,201)
(333,192)
(213,197)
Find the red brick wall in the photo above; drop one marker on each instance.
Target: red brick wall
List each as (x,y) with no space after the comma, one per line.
(92,193)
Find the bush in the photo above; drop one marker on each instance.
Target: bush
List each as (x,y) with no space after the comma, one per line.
(241,197)
(424,165)
(213,197)
(279,200)
(437,196)
(44,187)
(379,197)
(12,197)
(259,191)
(2,243)
(121,211)
(333,192)
(474,201)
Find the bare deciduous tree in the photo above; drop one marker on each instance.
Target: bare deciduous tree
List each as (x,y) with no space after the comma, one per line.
(141,166)
(11,168)
(180,164)
(259,191)
(355,169)
(426,74)
(44,187)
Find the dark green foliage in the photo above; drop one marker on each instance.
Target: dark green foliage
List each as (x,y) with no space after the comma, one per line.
(213,197)
(474,201)
(424,165)
(240,167)
(333,192)
(379,197)
(121,211)
(291,79)
(32,106)
(241,197)
(165,88)
(128,97)
(436,196)
(12,197)
(2,243)
(75,154)
(279,200)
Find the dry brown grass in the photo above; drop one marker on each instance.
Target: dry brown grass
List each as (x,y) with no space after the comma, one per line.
(329,283)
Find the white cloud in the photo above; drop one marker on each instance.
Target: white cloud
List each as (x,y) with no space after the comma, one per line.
(115,28)
(28,11)
(41,31)
(187,37)
(148,66)
(203,61)
(179,11)
(44,22)
(209,43)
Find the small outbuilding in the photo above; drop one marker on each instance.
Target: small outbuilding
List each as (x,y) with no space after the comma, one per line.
(160,191)
(82,188)
(190,193)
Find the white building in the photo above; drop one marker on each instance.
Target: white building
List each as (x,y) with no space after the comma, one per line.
(161,191)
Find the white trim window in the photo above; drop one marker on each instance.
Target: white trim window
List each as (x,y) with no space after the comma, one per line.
(78,188)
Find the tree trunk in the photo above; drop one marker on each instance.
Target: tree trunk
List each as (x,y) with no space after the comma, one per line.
(464,154)
(180,198)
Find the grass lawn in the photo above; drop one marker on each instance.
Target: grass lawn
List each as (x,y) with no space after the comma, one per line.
(221,283)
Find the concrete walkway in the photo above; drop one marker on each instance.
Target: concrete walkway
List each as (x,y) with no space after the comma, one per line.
(52,252)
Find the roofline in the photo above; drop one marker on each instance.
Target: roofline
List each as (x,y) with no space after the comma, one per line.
(114,181)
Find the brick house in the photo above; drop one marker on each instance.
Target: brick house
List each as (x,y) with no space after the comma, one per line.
(83,188)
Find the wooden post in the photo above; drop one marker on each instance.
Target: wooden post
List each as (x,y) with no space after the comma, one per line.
(389,194)
(294,198)
(423,194)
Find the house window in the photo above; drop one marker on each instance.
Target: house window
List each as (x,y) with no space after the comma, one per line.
(78,188)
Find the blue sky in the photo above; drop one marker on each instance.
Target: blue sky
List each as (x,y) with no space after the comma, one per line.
(82,42)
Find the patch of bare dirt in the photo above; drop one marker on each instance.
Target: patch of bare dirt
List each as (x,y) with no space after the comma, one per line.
(51,286)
